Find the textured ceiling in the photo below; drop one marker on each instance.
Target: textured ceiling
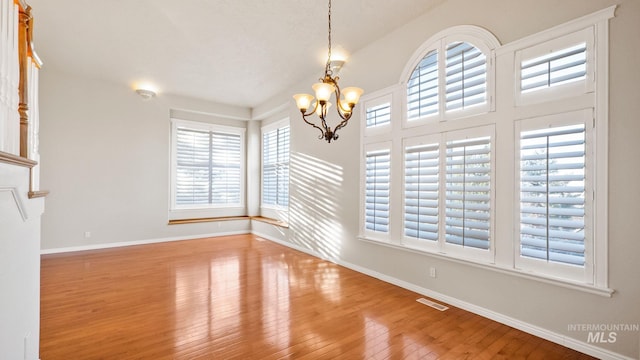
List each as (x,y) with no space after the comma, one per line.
(237,52)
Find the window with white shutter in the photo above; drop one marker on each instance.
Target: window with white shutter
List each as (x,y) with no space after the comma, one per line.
(553,183)
(453,78)
(193,158)
(377,190)
(423,88)
(421,191)
(466,76)
(226,165)
(555,69)
(378,115)
(207,167)
(468,192)
(275,167)
(377,112)
(448,192)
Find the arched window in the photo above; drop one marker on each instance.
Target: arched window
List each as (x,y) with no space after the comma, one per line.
(451,75)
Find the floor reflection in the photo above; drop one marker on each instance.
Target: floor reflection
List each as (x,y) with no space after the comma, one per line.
(275,303)
(376,339)
(207,300)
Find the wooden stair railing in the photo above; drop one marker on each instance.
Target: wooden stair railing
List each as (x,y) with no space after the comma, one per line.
(19,27)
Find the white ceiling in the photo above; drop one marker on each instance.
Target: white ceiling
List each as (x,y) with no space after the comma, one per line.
(237,52)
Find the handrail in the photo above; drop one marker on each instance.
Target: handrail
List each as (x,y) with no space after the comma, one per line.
(16,160)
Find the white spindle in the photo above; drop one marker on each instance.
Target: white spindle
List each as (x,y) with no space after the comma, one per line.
(9,78)
(34,123)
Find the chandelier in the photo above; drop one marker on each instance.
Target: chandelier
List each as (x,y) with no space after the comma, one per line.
(346,99)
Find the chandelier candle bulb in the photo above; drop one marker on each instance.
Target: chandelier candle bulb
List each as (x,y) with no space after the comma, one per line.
(352,95)
(303,101)
(323,91)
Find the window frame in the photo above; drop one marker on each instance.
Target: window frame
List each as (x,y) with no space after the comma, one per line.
(441,246)
(177,212)
(373,102)
(571,272)
(479,38)
(409,241)
(367,148)
(486,256)
(563,91)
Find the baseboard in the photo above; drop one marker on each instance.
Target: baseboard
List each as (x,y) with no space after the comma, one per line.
(137,242)
(289,245)
(490,314)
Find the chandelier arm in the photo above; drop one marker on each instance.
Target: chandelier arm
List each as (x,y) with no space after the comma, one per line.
(311,112)
(344,115)
(343,123)
(304,117)
(323,117)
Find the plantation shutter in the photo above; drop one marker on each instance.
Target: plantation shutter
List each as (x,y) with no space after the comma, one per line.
(193,176)
(283,166)
(275,167)
(225,168)
(552,194)
(377,183)
(466,76)
(421,192)
(468,192)
(422,88)
(379,115)
(557,68)
(269,168)
(208,167)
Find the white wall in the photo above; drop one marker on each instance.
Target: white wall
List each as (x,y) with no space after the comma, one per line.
(19,265)
(325,181)
(104,159)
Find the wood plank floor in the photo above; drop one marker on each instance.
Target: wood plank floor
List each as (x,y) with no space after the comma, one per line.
(241,297)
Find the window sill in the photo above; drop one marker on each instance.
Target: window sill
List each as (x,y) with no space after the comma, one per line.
(275,222)
(605,292)
(207,219)
(271,221)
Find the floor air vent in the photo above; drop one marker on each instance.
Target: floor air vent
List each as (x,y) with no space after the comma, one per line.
(432,304)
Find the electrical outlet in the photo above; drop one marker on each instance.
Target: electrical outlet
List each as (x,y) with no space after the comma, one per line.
(87,234)
(432,272)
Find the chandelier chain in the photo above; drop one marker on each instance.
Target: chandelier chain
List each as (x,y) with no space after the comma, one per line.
(328,66)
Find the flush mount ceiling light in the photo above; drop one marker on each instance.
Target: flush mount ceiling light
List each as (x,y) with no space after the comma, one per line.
(346,99)
(146,93)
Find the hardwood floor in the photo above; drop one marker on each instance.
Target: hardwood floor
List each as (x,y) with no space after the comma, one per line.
(241,297)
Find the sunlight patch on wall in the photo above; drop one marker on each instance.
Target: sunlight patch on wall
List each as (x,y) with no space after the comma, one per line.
(315,188)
